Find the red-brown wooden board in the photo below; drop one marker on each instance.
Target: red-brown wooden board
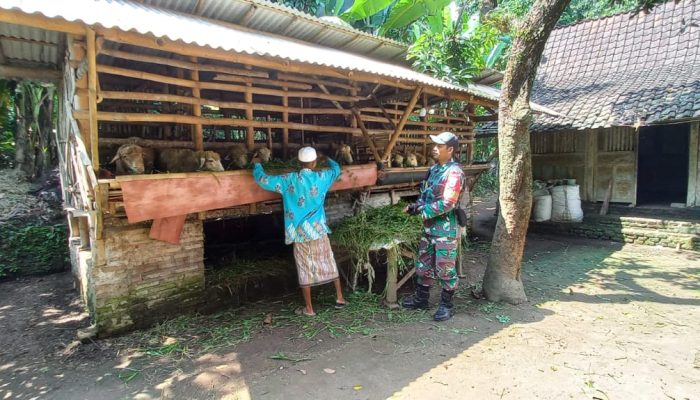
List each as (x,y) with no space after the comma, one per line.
(160,196)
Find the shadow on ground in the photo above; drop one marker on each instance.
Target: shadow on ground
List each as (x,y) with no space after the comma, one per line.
(602,321)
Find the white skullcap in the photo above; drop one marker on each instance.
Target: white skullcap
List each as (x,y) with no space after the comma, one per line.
(307,154)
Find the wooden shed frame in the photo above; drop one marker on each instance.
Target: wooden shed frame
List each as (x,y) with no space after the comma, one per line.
(120,87)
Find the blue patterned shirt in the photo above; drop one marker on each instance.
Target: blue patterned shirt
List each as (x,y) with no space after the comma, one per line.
(303,194)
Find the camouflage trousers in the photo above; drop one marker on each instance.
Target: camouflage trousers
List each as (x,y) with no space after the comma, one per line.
(437,261)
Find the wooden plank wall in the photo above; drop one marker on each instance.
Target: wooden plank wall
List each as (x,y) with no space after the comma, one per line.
(591,157)
(558,155)
(616,159)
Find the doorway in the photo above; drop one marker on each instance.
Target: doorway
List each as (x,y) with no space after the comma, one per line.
(662,176)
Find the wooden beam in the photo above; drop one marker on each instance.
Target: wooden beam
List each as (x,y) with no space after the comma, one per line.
(295,78)
(248,15)
(250,131)
(92,97)
(219,86)
(285,130)
(259,81)
(198,132)
(191,120)
(402,122)
(326,91)
(484,118)
(366,134)
(184,64)
(38,74)
(386,114)
(160,97)
(165,44)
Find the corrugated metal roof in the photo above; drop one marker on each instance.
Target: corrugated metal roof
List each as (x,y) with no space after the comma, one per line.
(23,45)
(130,16)
(276,18)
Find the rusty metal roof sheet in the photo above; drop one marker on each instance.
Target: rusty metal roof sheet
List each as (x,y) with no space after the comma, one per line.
(131,16)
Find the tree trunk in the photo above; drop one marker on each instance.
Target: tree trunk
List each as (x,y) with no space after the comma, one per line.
(502,281)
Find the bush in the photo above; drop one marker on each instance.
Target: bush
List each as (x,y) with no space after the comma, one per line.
(486,185)
(32,249)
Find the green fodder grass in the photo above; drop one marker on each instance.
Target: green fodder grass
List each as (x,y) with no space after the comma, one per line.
(357,234)
(242,272)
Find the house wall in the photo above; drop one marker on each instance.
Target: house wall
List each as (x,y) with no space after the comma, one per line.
(592,157)
(559,155)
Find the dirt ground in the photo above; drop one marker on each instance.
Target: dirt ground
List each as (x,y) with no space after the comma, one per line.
(603,321)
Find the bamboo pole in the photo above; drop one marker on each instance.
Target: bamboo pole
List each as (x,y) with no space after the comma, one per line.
(191,120)
(165,44)
(366,134)
(92,98)
(294,78)
(198,132)
(184,64)
(147,96)
(402,122)
(285,130)
(219,86)
(250,131)
(384,111)
(259,81)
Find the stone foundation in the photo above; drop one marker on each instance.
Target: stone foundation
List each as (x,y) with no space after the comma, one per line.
(682,234)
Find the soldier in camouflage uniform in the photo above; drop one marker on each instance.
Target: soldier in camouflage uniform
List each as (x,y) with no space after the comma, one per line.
(437,251)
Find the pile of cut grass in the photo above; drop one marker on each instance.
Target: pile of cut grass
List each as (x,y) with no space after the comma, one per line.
(243,272)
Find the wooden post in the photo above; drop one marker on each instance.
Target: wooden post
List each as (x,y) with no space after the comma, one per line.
(590,164)
(198,132)
(368,138)
(399,127)
(393,253)
(608,194)
(693,145)
(285,130)
(92,97)
(250,130)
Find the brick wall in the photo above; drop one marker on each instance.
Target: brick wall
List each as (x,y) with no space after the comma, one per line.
(136,281)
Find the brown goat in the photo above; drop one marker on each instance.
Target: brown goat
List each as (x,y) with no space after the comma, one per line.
(132,159)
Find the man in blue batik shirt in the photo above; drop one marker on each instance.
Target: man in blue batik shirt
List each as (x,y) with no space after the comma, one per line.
(303,195)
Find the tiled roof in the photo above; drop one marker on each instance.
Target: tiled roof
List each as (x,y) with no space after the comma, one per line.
(626,69)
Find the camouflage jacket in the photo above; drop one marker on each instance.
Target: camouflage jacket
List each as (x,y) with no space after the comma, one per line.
(439,196)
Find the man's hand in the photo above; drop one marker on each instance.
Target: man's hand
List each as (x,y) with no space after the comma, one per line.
(256,160)
(412,209)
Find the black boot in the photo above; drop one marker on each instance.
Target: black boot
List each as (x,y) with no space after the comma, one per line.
(444,311)
(418,300)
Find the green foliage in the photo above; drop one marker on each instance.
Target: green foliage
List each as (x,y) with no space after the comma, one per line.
(405,12)
(7,124)
(577,10)
(32,249)
(460,51)
(307,6)
(365,8)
